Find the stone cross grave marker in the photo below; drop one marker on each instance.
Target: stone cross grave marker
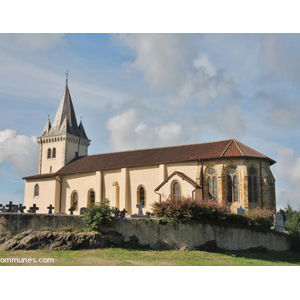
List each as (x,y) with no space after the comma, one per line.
(71,209)
(240,210)
(117,212)
(140,207)
(21,208)
(10,206)
(50,207)
(122,213)
(33,209)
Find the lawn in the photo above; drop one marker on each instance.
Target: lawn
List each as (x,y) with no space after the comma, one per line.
(126,257)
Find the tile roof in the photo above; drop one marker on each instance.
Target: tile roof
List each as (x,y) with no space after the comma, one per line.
(155,156)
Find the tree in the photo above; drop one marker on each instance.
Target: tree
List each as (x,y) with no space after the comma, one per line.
(291,220)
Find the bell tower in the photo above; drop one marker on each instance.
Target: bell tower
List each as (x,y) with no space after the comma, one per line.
(63,140)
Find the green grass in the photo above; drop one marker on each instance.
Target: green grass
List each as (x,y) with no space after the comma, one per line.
(125,257)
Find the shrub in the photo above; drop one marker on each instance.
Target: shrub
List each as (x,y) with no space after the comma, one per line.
(186,209)
(261,218)
(96,216)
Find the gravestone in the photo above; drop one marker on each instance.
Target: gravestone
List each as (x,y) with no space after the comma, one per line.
(33,209)
(50,207)
(240,210)
(71,209)
(122,213)
(140,207)
(117,213)
(279,222)
(11,207)
(21,208)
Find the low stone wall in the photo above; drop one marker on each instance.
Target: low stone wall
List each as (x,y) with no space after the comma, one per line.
(191,236)
(14,223)
(151,234)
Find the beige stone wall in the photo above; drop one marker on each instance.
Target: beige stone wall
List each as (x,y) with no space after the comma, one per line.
(48,194)
(66,147)
(51,165)
(153,235)
(120,186)
(81,185)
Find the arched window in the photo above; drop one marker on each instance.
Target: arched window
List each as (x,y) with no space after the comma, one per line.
(252,185)
(235,189)
(36,190)
(91,197)
(74,200)
(53,152)
(229,187)
(49,153)
(215,187)
(232,185)
(141,195)
(175,190)
(212,187)
(209,186)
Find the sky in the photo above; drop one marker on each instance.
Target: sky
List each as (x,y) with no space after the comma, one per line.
(134,90)
(137,91)
(147,90)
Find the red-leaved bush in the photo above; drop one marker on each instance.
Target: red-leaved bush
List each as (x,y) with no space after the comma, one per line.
(184,209)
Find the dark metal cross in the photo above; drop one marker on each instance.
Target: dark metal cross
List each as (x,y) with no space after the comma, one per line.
(10,206)
(122,213)
(71,209)
(50,207)
(33,209)
(21,208)
(67,76)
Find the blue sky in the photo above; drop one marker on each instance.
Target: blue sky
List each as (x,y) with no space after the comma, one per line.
(147,90)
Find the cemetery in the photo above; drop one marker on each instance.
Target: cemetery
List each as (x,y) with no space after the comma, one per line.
(137,230)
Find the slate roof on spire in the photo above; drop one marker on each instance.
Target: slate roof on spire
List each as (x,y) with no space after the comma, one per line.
(65,118)
(46,128)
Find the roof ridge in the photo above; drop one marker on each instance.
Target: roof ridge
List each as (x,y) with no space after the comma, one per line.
(253,149)
(226,148)
(162,147)
(236,143)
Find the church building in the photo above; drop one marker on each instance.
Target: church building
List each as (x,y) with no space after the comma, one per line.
(227,171)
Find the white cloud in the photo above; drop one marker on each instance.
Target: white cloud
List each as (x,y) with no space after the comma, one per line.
(128,130)
(19,151)
(171,64)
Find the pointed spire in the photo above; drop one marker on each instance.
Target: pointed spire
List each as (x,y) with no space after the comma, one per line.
(65,118)
(46,128)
